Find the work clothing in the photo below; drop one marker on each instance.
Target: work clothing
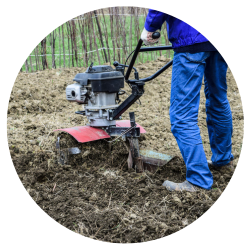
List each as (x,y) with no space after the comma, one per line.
(187,73)
(195,57)
(180,34)
(197,47)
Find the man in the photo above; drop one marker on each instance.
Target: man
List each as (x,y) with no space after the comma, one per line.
(195,57)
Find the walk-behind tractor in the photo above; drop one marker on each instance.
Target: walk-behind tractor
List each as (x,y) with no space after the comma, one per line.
(98,89)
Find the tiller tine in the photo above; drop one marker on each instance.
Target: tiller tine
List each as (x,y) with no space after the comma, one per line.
(142,160)
(87,134)
(145,159)
(129,130)
(63,154)
(152,160)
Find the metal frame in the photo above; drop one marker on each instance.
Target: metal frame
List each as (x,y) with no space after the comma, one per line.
(137,92)
(137,85)
(132,131)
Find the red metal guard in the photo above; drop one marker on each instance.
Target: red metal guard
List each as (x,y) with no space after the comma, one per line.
(87,133)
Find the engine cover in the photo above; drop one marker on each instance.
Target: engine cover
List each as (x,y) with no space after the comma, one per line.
(96,79)
(102,79)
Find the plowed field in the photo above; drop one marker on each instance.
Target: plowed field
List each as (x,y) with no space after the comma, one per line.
(96,195)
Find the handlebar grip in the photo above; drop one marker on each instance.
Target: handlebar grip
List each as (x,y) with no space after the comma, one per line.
(156,35)
(115,63)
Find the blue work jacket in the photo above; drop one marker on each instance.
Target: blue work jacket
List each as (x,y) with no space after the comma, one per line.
(180,34)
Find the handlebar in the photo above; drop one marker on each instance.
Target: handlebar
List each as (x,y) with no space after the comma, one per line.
(138,49)
(137,85)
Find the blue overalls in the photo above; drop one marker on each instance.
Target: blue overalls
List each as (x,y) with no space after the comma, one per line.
(187,73)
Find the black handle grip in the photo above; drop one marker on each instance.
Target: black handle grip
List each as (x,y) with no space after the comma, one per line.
(156,35)
(115,63)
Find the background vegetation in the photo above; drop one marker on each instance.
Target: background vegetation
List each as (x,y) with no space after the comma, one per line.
(101,36)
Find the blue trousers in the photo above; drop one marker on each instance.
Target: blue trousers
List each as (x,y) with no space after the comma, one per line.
(187,73)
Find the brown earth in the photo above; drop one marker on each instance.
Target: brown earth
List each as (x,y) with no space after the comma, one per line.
(97,196)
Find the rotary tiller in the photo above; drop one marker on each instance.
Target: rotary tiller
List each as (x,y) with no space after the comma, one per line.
(98,89)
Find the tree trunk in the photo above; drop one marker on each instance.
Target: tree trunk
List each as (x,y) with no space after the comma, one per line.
(116,33)
(106,35)
(100,33)
(38,61)
(72,43)
(59,46)
(68,42)
(73,37)
(112,32)
(35,58)
(90,37)
(84,49)
(31,66)
(26,66)
(97,51)
(63,47)
(52,44)
(44,58)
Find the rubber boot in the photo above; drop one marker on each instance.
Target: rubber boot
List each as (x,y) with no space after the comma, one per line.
(184,186)
(226,168)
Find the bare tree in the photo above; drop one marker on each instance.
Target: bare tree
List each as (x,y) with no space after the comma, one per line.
(63,47)
(97,51)
(31,66)
(106,34)
(73,39)
(112,31)
(68,36)
(100,33)
(59,38)
(91,31)
(52,44)
(43,50)
(81,25)
(26,66)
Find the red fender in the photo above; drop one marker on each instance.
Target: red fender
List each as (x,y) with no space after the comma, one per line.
(87,133)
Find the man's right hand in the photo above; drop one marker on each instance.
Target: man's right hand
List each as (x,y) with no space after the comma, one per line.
(147,38)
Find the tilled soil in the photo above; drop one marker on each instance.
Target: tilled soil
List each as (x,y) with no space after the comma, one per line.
(97,195)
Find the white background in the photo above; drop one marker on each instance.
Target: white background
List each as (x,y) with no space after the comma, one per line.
(24,24)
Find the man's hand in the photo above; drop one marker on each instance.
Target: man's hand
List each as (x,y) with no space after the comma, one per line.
(146,36)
